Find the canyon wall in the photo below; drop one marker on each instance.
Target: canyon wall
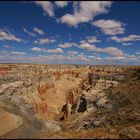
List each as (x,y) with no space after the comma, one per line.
(44,99)
(43,89)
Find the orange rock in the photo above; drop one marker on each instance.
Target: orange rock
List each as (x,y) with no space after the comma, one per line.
(46,89)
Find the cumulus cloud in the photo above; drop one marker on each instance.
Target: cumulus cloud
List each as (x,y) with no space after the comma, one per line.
(57,50)
(92,39)
(83,41)
(127,44)
(18,53)
(61,3)
(37,49)
(126,39)
(67,45)
(44,41)
(110,27)
(72,52)
(29,33)
(39,31)
(6,35)
(92,48)
(110,50)
(87,46)
(46,6)
(81,57)
(7,56)
(85,11)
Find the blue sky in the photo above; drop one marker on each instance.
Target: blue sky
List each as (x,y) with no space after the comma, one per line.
(63,32)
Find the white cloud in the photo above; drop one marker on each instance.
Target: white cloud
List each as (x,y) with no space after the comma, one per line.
(92,39)
(124,59)
(72,52)
(120,59)
(87,46)
(6,35)
(6,56)
(44,41)
(77,58)
(18,53)
(61,3)
(47,58)
(137,53)
(37,49)
(67,45)
(83,41)
(81,57)
(57,58)
(110,50)
(110,27)
(57,50)
(9,46)
(29,33)
(127,44)
(39,31)
(126,39)
(128,58)
(91,56)
(85,11)
(46,6)
(52,58)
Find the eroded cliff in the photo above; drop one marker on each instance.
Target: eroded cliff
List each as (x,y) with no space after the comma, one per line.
(62,101)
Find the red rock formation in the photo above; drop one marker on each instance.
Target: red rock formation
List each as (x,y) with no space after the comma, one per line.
(57,75)
(45,89)
(4,70)
(41,108)
(73,96)
(70,98)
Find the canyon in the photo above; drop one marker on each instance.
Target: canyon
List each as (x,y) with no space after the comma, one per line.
(69,101)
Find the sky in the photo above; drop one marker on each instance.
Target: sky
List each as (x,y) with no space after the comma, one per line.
(66,32)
